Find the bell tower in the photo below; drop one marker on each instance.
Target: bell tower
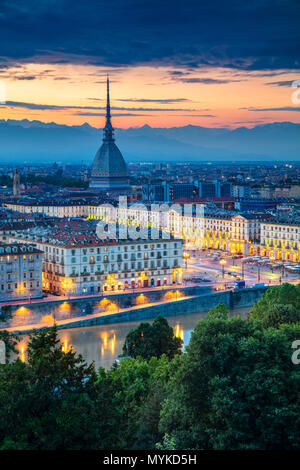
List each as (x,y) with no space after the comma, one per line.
(16,184)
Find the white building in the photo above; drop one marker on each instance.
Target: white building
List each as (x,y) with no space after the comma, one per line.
(20,272)
(280,241)
(240,233)
(82,264)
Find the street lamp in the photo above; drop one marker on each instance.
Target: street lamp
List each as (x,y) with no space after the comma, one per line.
(222,263)
(258,272)
(282,271)
(186,256)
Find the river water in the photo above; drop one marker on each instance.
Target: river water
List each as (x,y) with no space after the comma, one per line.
(103,344)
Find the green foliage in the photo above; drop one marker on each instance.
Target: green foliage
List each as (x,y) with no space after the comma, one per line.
(10,341)
(5,313)
(56,179)
(152,340)
(6,180)
(220,311)
(138,389)
(235,388)
(285,295)
(54,401)
(280,313)
(168,443)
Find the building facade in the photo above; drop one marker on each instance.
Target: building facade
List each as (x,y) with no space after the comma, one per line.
(246,233)
(280,241)
(20,272)
(72,267)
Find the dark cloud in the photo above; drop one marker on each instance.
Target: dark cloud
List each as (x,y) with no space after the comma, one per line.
(205,81)
(115,114)
(281,83)
(256,35)
(43,107)
(26,77)
(194,115)
(144,100)
(283,108)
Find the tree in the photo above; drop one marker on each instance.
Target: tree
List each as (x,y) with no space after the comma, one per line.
(152,340)
(54,401)
(220,311)
(278,314)
(5,313)
(10,341)
(286,294)
(235,388)
(137,390)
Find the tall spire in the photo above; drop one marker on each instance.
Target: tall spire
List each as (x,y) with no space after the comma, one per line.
(108,130)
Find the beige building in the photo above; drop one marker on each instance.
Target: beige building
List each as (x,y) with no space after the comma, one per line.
(79,264)
(20,272)
(280,241)
(240,234)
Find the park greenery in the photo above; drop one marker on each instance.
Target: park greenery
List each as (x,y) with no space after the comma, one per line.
(56,179)
(152,340)
(234,387)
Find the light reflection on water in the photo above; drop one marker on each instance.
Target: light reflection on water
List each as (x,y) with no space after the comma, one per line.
(103,344)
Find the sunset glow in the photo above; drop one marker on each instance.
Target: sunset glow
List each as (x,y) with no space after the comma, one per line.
(212,97)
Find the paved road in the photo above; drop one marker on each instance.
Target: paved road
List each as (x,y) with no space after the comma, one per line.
(51,298)
(252,273)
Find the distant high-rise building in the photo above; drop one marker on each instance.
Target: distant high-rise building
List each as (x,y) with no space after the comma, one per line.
(109,170)
(225,189)
(166,192)
(215,189)
(16,183)
(209,189)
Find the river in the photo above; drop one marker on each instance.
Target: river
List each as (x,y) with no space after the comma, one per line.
(103,344)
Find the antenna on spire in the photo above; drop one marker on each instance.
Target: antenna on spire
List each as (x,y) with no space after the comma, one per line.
(108,129)
(107,99)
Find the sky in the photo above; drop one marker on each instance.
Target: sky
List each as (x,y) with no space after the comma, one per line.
(215,64)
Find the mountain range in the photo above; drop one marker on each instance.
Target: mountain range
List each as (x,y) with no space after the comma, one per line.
(34,141)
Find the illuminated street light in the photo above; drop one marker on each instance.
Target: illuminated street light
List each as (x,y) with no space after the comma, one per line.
(186,256)
(67,284)
(222,263)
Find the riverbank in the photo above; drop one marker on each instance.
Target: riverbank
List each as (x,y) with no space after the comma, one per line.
(182,301)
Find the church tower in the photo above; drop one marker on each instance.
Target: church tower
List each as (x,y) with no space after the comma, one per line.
(16,184)
(109,170)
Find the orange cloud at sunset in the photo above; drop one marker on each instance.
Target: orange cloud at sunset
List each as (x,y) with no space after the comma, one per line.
(159,96)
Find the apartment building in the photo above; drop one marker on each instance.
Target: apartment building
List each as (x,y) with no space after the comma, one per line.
(20,272)
(78,264)
(280,241)
(246,233)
